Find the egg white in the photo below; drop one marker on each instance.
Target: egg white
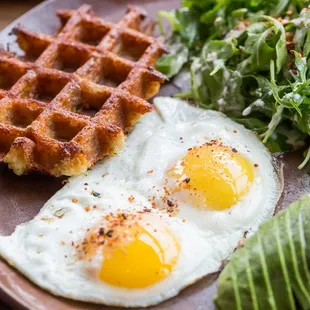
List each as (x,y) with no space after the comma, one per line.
(42,249)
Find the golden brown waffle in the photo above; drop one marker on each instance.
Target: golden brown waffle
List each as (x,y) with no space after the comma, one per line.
(82,92)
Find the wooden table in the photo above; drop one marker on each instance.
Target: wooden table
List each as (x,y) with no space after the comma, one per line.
(11,9)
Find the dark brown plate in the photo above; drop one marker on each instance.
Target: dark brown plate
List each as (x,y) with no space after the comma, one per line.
(22,197)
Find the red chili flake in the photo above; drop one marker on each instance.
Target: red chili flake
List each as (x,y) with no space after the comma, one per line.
(124,216)
(234,150)
(74,200)
(72,243)
(187,180)
(190,149)
(147,210)
(85,188)
(87,209)
(255,165)
(94,207)
(235,131)
(101,231)
(150,171)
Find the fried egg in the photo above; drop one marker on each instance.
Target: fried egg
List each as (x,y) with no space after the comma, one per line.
(166,211)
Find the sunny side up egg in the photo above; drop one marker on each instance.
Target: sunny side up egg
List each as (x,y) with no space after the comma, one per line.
(166,211)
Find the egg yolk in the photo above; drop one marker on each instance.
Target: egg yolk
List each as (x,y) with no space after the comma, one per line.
(217,176)
(141,259)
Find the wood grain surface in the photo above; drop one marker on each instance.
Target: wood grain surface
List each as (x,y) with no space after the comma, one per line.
(10,10)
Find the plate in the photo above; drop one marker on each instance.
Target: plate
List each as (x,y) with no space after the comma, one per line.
(22,197)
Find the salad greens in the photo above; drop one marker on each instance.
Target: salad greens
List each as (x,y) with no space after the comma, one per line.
(248,59)
(272,270)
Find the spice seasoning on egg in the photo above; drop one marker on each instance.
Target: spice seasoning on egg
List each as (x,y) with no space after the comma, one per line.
(170,203)
(110,233)
(96,194)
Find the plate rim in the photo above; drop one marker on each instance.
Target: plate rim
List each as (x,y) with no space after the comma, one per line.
(17,20)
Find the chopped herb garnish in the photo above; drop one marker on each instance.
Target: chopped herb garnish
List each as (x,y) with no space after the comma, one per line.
(96,194)
(61,212)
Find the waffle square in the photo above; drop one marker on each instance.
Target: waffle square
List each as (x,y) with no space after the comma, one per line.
(75,96)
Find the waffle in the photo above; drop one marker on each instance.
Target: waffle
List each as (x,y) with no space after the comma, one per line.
(72,98)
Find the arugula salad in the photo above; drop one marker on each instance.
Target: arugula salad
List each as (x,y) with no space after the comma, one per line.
(248,59)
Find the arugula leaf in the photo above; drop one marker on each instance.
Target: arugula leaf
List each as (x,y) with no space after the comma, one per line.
(300,27)
(279,7)
(306,160)
(272,270)
(184,22)
(280,46)
(172,63)
(283,138)
(265,42)
(214,86)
